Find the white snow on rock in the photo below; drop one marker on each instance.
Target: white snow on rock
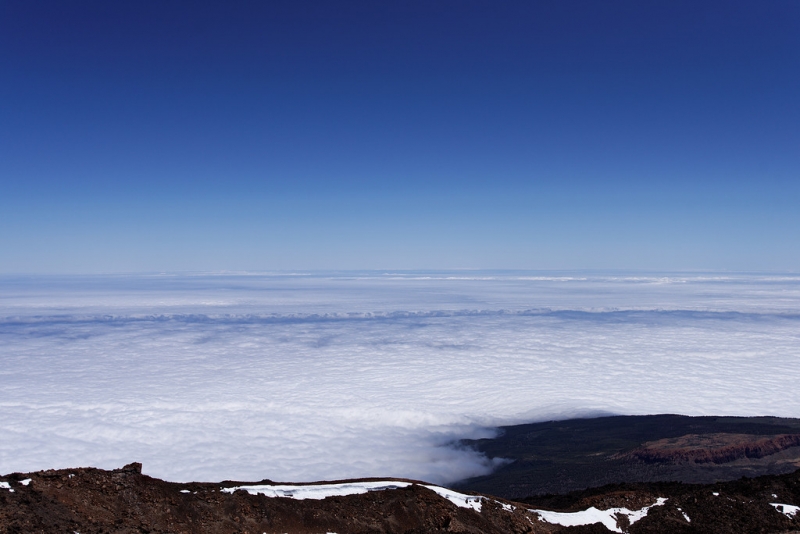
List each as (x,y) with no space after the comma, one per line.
(789,510)
(5,485)
(322,491)
(459,499)
(318,491)
(25,482)
(592,515)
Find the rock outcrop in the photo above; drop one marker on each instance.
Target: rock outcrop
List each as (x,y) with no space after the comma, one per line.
(124,500)
(713,448)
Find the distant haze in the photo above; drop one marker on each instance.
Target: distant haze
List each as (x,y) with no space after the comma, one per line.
(333,375)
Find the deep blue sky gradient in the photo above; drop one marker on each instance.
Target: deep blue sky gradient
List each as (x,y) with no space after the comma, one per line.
(166,135)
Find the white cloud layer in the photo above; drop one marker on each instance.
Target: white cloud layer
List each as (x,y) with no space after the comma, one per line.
(300,378)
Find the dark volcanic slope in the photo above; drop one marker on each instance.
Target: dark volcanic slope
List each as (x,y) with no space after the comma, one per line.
(739,506)
(562,456)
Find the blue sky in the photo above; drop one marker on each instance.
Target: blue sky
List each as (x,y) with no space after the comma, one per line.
(149,136)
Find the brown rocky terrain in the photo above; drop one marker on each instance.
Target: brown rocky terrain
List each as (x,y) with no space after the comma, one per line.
(747,505)
(94,501)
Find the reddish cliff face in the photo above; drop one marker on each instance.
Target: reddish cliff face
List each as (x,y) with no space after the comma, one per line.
(713,448)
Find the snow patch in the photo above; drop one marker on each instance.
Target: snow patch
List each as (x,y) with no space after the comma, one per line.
(323,491)
(5,485)
(25,482)
(459,499)
(609,518)
(318,491)
(789,510)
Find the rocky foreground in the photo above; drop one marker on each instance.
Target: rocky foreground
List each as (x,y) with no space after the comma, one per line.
(91,500)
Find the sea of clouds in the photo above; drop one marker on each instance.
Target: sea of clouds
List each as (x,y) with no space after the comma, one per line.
(327,376)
